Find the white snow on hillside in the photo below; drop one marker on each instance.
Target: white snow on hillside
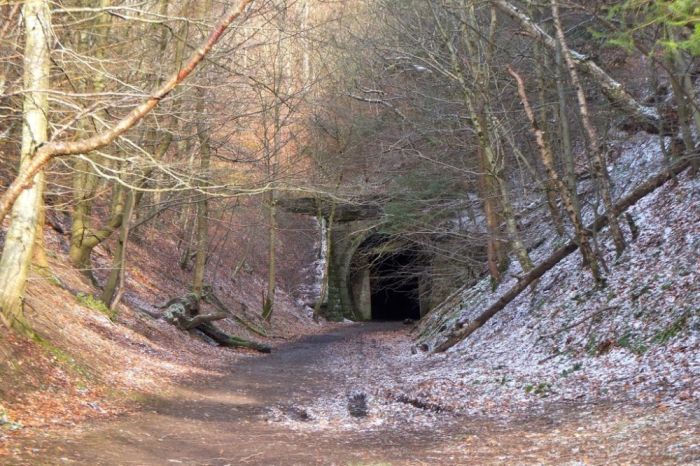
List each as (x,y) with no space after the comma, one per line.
(563,343)
(638,338)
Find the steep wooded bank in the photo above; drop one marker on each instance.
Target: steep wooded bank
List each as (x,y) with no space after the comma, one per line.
(528,278)
(544,157)
(464,117)
(564,346)
(563,338)
(167,114)
(155,190)
(93,362)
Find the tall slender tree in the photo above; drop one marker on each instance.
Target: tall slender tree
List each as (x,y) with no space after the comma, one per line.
(24,220)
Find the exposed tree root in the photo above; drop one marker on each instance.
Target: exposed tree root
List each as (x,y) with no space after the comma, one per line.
(183,312)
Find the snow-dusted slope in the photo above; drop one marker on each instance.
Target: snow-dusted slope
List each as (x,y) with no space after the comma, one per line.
(638,338)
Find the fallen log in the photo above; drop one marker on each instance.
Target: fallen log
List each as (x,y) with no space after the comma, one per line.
(184,313)
(211,298)
(230,341)
(463,330)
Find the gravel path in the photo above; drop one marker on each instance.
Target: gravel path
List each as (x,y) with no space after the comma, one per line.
(290,408)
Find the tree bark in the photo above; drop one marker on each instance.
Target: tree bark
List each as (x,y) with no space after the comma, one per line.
(44,154)
(594,144)
(115,280)
(84,239)
(567,151)
(203,204)
(269,302)
(568,197)
(273,168)
(549,185)
(476,107)
(19,242)
(85,182)
(40,259)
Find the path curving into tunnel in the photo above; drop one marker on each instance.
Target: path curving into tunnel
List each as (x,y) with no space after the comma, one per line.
(231,420)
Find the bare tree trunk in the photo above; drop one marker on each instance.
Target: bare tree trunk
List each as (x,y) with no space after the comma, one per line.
(507,209)
(83,191)
(489,193)
(594,143)
(85,239)
(684,93)
(202,242)
(186,218)
(567,151)
(547,157)
(85,182)
(273,165)
(269,302)
(549,186)
(129,201)
(115,280)
(512,228)
(40,260)
(203,203)
(463,331)
(306,44)
(19,242)
(646,117)
(489,166)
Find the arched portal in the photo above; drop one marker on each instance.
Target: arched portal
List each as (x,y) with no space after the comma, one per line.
(388,280)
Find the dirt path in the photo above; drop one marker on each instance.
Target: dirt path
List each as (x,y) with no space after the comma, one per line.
(289,408)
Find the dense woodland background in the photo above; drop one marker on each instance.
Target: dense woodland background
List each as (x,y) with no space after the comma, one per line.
(458,115)
(537,160)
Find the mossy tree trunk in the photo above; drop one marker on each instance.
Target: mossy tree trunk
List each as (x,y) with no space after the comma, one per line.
(84,238)
(115,280)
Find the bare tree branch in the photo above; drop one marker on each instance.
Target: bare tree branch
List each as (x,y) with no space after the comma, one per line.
(54,149)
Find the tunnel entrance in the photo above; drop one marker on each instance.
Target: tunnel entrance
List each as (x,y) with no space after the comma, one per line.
(388,280)
(395,288)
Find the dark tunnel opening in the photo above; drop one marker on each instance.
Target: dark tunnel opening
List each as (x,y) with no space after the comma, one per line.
(395,287)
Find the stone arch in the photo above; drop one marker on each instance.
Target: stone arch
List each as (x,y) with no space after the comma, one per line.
(350,225)
(345,240)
